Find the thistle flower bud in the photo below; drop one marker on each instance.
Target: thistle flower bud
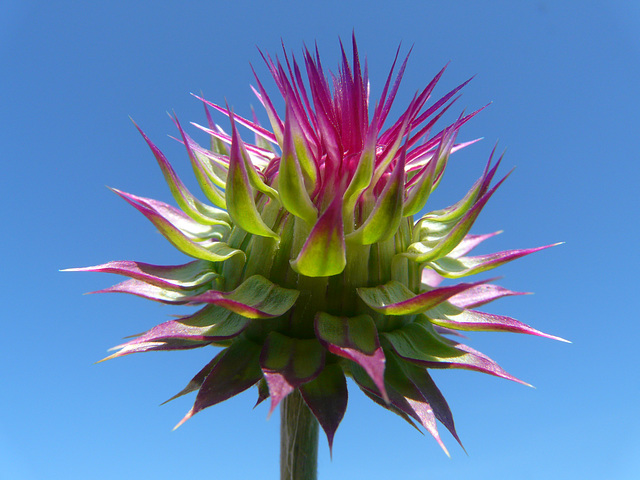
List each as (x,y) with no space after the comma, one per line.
(308,263)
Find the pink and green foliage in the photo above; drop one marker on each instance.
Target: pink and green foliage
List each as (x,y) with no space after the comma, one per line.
(308,265)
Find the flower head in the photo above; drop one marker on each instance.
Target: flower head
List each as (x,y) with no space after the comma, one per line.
(308,265)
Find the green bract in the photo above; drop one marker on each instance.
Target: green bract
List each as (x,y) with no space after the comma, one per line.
(309,265)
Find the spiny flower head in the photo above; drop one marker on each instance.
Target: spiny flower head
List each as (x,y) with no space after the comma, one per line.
(309,266)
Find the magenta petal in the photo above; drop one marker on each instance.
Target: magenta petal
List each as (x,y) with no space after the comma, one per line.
(295,95)
(276,122)
(372,364)
(415,156)
(420,186)
(386,103)
(425,131)
(223,139)
(430,111)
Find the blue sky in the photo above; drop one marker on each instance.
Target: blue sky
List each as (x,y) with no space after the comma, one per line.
(562,78)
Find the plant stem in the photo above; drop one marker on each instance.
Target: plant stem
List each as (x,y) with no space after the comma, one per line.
(298,440)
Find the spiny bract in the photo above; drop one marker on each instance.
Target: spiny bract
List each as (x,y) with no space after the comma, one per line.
(309,266)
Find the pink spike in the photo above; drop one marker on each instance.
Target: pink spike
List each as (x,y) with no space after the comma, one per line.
(481,363)
(169,295)
(158,275)
(189,414)
(279,388)
(469,242)
(424,413)
(253,126)
(481,295)
(432,279)
(396,84)
(258,151)
(428,145)
(481,321)
(483,263)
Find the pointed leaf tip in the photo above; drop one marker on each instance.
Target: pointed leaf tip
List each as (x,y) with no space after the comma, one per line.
(110,357)
(452,267)
(450,316)
(189,414)
(327,397)
(417,342)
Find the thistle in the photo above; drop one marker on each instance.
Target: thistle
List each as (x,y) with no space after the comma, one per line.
(309,266)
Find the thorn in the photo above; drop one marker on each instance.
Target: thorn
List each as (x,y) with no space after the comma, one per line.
(560,339)
(445,449)
(274,404)
(189,414)
(110,357)
(167,401)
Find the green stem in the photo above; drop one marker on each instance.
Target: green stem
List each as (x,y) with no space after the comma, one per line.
(298,440)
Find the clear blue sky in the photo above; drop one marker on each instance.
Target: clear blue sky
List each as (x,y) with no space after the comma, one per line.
(563,78)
